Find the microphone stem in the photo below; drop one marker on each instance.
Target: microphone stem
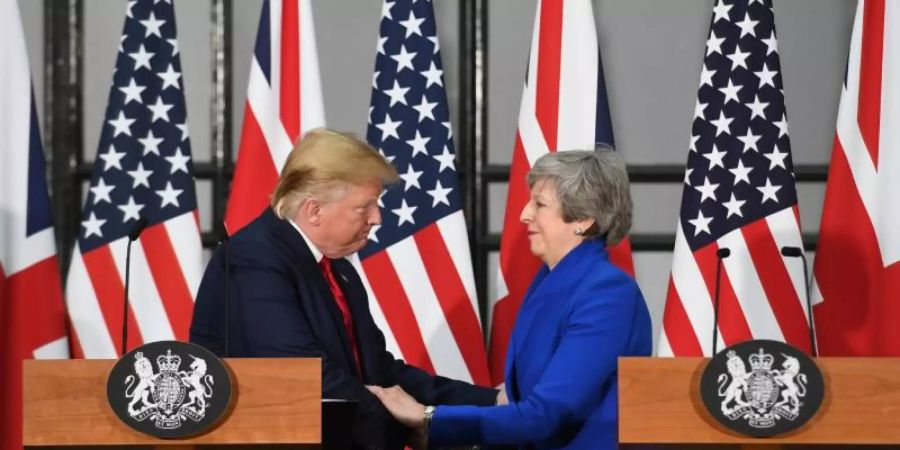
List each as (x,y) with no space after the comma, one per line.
(812,333)
(715,330)
(227,298)
(125,309)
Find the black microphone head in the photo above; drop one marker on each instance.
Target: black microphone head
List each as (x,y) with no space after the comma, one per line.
(137,228)
(793,252)
(723,253)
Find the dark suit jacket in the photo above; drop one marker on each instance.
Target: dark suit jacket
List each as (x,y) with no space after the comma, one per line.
(281,306)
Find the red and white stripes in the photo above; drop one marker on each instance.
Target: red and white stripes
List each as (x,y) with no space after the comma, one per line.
(422,296)
(761,294)
(284,100)
(166,268)
(857,275)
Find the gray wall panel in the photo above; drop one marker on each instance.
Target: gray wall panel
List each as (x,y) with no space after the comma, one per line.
(32,15)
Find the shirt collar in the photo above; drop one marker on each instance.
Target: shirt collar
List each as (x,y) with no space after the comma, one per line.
(312,247)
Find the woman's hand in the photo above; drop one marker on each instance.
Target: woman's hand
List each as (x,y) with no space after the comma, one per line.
(401,405)
(501,398)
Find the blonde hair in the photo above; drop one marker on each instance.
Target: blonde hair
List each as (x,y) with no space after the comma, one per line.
(322,163)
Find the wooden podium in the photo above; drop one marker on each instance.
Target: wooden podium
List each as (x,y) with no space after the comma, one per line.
(274,401)
(659,403)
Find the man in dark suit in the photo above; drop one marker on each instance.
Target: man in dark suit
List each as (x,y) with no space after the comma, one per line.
(294,295)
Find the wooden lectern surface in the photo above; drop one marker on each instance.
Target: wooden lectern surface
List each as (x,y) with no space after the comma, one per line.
(274,401)
(659,402)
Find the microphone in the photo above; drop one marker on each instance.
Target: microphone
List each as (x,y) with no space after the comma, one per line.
(797,252)
(137,229)
(721,254)
(133,235)
(223,240)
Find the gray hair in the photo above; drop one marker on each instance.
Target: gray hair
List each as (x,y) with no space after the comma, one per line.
(590,184)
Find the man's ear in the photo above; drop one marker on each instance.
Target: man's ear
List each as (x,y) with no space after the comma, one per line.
(311,210)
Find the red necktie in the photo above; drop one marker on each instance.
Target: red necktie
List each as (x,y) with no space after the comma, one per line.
(341,301)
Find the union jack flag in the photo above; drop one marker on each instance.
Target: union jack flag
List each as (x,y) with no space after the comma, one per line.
(857,269)
(143,169)
(284,100)
(739,194)
(564,107)
(32,320)
(417,267)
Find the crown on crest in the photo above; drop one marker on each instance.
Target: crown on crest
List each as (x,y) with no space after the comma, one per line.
(761,360)
(168,362)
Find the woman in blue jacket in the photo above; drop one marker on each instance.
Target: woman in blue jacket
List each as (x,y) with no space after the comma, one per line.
(580,314)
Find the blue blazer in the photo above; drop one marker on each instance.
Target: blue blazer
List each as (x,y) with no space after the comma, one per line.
(281,306)
(574,322)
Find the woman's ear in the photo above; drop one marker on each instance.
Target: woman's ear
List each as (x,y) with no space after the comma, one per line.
(583,225)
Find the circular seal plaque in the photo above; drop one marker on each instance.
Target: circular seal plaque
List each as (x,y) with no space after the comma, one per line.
(169,389)
(762,388)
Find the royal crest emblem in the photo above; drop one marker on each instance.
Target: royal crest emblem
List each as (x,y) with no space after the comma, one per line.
(168,397)
(771,397)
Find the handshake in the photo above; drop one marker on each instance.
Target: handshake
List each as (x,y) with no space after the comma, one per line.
(413,414)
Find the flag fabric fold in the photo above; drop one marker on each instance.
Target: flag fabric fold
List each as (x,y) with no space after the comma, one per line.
(739,193)
(284,100)
(856,272)
(564,107)
(32,317)
(417,267)
(143,169)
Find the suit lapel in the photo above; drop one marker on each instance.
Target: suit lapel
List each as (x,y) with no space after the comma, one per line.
(309,272)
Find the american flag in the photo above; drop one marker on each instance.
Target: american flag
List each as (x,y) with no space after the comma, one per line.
(564,107)
(284,100)
(32,320)
(739,194)
(417,267)
(143,169)
(857,269)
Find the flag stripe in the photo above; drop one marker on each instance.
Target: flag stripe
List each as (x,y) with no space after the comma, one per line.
(454,301)
(40,285)
(748,289)
(171,284)
(788,223)
(393,301)
(776,283)
(290,68)
(144,296)
(85,313)
(675,318)
(254,177)
(870,71)
(548,70)
(445,356)
(184,235)
(579,72)
(375,309)
(691,287)
(453,229)
(110,290)
(732,324)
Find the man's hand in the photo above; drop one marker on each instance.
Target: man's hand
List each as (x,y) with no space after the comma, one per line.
(401,405)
